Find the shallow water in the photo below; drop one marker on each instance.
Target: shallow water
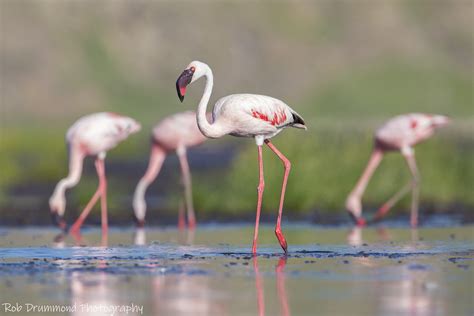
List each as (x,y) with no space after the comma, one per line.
(328,271)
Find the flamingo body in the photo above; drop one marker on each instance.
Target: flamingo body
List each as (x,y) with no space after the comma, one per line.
(406,130)
(401,133)
(91,135)
(100,132)
(251,115)
(178,130)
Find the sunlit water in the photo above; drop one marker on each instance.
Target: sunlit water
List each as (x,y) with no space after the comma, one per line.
(328,271)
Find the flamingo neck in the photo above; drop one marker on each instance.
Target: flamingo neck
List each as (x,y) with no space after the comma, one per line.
(58,199)
(373,163)
(157,157)
(213,130)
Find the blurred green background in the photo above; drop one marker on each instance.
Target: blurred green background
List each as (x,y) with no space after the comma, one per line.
(345,66)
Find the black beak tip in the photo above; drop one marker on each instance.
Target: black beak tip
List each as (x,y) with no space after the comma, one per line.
(59,221)
(54,218)
(181,97)
(139,223)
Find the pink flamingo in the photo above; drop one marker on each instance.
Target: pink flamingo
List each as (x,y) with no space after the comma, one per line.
(400,133)
(174,133)
(91,135)
(244,115)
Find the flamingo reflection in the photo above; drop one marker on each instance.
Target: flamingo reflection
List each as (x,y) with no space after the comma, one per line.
(280,284)
(409,289)
(282,297)
(259,288)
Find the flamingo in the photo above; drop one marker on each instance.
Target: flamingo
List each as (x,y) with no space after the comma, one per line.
(244,115)
(91,135)
(400,133)
(174,133)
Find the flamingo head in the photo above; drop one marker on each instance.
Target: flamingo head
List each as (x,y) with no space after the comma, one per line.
(193,72)
(57,206)
(439,121)
(129,125)
(354,207)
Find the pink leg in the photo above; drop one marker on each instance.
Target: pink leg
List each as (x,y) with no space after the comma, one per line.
(103,192)
(280,276)
(188,194)
(410,158)
(287,166)
(78,223)
(259,288)
(181,218)
(260,188)
(383,210)
(80,220)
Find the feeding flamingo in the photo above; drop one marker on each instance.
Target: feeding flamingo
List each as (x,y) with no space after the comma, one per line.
(174,133)
(400,133)
(91,135)
(244,115)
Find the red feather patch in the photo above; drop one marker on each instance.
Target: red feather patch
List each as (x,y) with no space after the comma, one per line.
(277,119)
(413,124)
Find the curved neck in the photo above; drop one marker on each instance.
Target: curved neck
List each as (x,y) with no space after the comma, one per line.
(373,163)
(73,177)
(209,130)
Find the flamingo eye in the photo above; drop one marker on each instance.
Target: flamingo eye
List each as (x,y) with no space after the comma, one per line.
(193,69)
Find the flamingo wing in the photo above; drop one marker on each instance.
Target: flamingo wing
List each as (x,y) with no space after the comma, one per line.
(258,113)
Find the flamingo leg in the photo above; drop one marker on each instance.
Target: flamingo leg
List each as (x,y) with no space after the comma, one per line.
(260,189)
(80,220)
(287,166)
(103,200)
(188,194)
(181,217)
(413,185)
(410,158)
(383,210)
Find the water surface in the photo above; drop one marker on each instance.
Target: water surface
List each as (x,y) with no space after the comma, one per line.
(328,271)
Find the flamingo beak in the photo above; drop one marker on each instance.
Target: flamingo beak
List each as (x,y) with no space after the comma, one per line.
(138,222)
(183,80)
(440,120)
(59,221)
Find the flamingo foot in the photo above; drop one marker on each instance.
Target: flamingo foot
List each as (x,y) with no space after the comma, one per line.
(254,248)
(359,221)
(181,223)
(76,234)
(139,222)
(381,212)
(192,224)
(281,240)
(75,229)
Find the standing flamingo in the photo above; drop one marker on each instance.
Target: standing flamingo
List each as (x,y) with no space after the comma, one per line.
(91,135)
(244,115)
(400,133)
(174,133)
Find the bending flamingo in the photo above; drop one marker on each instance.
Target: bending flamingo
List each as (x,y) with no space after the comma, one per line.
(400,133)
(91,135)
(244,115)
(174,133)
